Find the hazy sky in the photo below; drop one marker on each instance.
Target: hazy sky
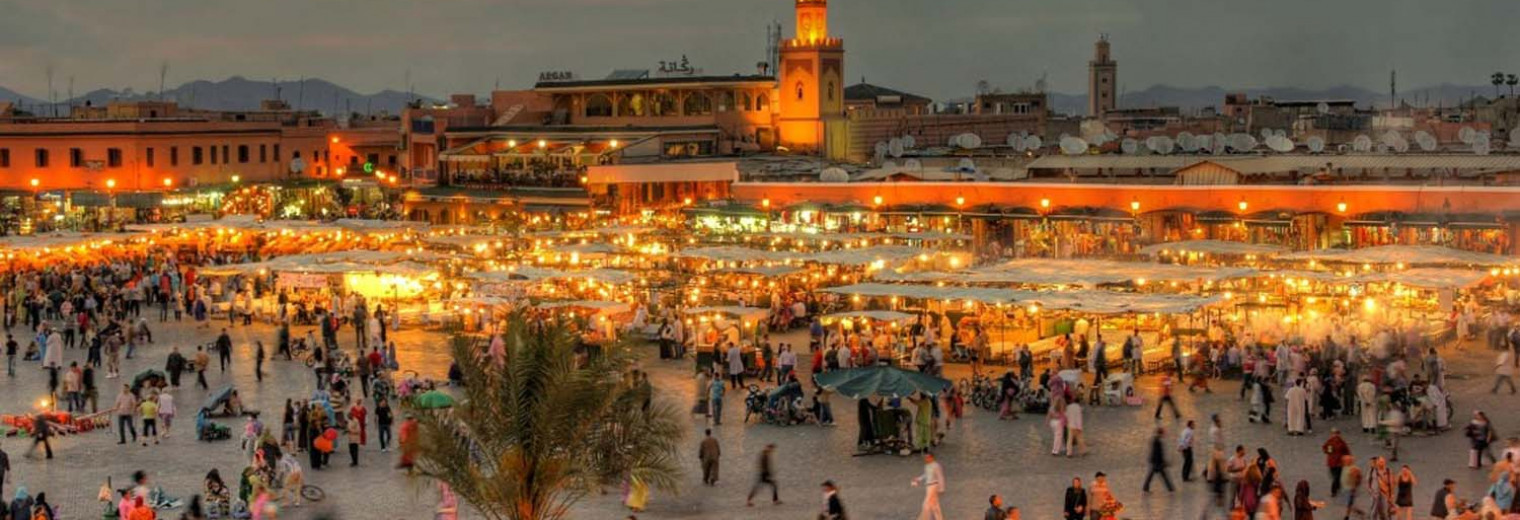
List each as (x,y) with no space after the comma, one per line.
(939,48)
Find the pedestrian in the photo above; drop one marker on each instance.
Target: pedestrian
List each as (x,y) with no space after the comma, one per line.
(1296,404)
(995,509)
(1380,489)
(715,400)
(166,412)
(1480,437)
(735,366)
(202,362)
(258,361)
(1504,371)
(1336,450)
(5,472)
(1076,444)
(126,406)
(1303,506)
(1056,418)
(148,408)
(1157,462)
(708,453)
(1403,496)
(1445,503)
(354,430)
(933,482)
(383,420)
(1215,474)
(42,431)
(224,350)
(767,477)
(833,508)
(175,365)
(1075,504)
(1351,482)
(1166,398)
(1185,446)
(10,355)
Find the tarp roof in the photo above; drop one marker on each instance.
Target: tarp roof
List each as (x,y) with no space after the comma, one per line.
(1408,255)
(1213,247)
(1091,301)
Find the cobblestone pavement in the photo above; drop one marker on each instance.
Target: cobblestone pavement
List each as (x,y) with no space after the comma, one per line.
(981,456)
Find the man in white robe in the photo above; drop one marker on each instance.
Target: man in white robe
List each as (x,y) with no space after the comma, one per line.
(1297,405)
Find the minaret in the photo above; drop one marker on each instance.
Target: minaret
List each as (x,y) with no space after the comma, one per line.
(1102,80)
(811,83)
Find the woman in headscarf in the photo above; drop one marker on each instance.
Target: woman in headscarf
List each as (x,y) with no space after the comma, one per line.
(218,497)
(1303,507)
(42,510)
(21,504)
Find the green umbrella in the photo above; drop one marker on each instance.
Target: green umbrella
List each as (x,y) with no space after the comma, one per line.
(433,400)
(857,383)
(144,376)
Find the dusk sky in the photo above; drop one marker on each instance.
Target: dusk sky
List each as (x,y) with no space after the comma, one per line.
(939,48)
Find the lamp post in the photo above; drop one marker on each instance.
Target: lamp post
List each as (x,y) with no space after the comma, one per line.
(111,193)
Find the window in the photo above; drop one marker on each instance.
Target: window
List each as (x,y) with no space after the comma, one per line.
(297,155)
(76,158)
(831,91)
(242,154)
(799,91)
(598,105)
(697,104)
(5,157)
(227,155)
(113,157)
(632,105)
(373,158)
(196,156)
(213,154)
(173,156)
(391,160)
(149,157)
(745,102)
(327,156)
(40,157)
(725,101)
(263,153)
(276,152)
(663,104)
(762,103)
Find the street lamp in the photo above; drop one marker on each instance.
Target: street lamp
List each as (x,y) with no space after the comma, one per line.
(238,178)
(1134,205)
(168,183)
(1341,206)
(111,191)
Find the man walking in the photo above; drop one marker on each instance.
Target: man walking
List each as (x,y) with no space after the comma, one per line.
(126,405)
(202,362)
(708,453)
(224,350)
(1166,398)
(1336,451)
(933,481)
(1504,371)
(1157,462)
(1185,445)
(767,478)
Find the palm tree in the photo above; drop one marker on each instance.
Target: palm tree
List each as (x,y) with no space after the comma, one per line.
(531,436)
(1497,79)
(1512,80)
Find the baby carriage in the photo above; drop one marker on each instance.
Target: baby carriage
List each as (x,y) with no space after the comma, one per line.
(209,431)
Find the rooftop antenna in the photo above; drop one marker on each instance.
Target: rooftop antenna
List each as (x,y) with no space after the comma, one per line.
(52,101)
(301,94)
(1393,90)
(498,84)
(409,94)
(70,100)
(163,72)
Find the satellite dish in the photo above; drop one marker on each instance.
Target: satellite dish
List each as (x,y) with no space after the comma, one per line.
(1242,142)
(909,142)
(1221,143)
(1129,146)
(1362,144)
(1322,108)
(1187,141)
(965,165)
(913,165)
(971,141)
(1153,143)
(297,166)
(1316,144)
(1033,142)
(834,175)
(1279,144)
(1073,146)
(1165,145)
(1016,142)
(1514,137)
(881,148)
(1425,141)
(1205,142)
(1267,133)
(1402,146)
(895,147)
(1466,134)
(1480,147)
(1390,137)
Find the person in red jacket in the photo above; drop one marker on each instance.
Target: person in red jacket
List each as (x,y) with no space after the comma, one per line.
(1336,452)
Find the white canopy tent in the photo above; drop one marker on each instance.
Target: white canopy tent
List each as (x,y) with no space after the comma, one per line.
(1088,273)
(1091,301)
(1403,254)
(1212,247)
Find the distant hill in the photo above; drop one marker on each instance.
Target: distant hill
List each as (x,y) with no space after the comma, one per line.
(17,97)
(1193,98)
(239,93)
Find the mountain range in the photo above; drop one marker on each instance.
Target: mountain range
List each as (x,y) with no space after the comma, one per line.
(239,93)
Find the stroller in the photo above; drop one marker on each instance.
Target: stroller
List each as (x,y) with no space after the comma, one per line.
(209,431)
